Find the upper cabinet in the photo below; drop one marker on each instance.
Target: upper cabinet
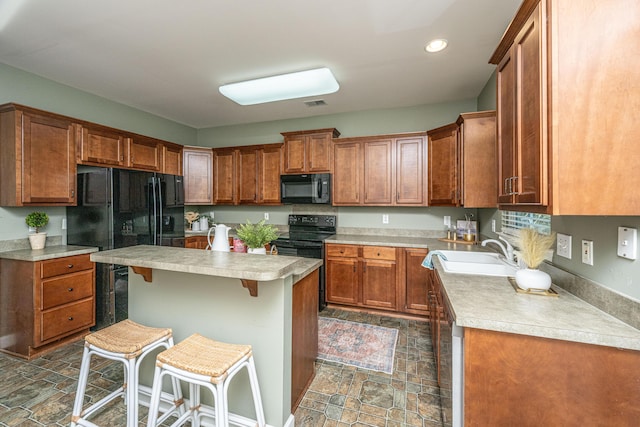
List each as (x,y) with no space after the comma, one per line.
(462,162)
(386,170)
(568,109)
(145,154)
(37,158)
(198,175)
(172,158)
(247,175)
(308,151)
(103,147)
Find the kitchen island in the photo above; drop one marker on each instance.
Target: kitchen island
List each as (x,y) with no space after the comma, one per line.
(267,301)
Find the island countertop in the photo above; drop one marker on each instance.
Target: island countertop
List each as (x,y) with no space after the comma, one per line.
(211,263)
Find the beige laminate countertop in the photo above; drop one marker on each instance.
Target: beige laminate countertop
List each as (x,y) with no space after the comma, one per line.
(211,263)
(491,303)
(49,252)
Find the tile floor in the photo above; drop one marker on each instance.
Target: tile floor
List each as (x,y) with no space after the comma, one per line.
(41,392)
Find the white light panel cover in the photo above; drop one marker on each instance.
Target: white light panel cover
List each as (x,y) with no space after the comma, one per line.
(319,81)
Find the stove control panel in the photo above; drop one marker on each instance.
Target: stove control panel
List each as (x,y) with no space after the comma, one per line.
(312,220)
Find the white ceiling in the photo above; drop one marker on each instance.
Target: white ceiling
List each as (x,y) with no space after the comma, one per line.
(169,57)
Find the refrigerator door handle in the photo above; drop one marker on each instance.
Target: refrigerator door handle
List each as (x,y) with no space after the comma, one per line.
(160,213)
(153,213)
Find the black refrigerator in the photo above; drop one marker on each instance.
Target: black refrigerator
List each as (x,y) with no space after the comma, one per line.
(119,208)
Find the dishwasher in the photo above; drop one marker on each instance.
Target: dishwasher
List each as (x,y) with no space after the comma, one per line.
(451,365)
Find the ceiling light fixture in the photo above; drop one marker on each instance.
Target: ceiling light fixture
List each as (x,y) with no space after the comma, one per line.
(315,82)
(436,45)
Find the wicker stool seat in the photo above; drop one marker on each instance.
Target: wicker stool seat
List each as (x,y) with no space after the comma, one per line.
(203,362)
(127,342)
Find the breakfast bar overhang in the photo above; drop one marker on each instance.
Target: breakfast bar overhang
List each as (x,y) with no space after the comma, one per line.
(269,302)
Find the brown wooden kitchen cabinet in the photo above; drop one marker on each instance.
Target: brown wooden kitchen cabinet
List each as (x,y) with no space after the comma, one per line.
(385,170)
(463,162)
(247,175)
(172,162)
(417,277)
(308,151)
(224,176)
(567,134)
(103,147)
(196,242)
(45,304)
(145,154)
(38,158)
(575,383)
(198,175)
(365,276)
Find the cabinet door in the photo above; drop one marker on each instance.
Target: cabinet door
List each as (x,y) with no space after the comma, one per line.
(48,161)
(417,277)
(343,280)
(103,147)
(198,176)
(294,154)
(531,138)
(269,182)
(379,284)
(506,116)
(224,182)
(318,149)
(247,176)
(172,163)
(443,170)
(346,174)
(410,171)
(145,154)
(378,172)
(196,242)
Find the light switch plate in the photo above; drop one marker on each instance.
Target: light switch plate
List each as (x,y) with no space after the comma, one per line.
(627,242)
(563,245)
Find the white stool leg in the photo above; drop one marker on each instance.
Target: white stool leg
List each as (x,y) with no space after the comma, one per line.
(131,392)
(255,389)
(82,386)
(194,395)
(154,404)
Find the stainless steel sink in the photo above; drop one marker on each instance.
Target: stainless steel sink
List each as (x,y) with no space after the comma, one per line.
(480,263)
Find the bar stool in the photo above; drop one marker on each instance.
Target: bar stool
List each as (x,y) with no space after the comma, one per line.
(201,361)
(127,342)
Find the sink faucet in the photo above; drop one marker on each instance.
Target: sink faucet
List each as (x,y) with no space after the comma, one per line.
(506,250)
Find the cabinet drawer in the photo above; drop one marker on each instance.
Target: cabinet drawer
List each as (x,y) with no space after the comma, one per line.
(67,319)
(67,288)
(379,252)
(342,251)
(70,264)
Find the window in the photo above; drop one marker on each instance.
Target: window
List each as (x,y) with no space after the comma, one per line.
(514,221)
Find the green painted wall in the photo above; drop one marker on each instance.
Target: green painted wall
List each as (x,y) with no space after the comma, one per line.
(362,123)
(28,89)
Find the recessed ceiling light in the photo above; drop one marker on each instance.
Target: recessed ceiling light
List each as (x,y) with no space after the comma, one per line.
(436,45)
(315,82)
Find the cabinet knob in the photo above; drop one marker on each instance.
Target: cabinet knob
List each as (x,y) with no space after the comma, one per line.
(70,266)
(70,289)
(70,318)
(378,253)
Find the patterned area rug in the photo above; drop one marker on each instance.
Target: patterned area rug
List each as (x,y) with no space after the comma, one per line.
(357,344)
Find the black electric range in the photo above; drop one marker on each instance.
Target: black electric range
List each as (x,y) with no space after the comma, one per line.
(306,239)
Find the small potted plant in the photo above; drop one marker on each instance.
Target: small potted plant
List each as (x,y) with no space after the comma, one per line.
(256,236)
(533,251)
(37,220)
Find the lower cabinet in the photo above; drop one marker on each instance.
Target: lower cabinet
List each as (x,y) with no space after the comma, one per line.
(196,242)
(45,303)
(377,277)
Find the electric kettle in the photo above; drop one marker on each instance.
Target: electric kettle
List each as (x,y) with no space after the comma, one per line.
(221,239)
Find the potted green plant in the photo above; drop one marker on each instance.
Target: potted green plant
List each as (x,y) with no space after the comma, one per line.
(37,220)
(256,236)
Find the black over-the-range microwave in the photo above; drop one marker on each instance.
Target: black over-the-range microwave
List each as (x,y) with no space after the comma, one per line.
(311,188)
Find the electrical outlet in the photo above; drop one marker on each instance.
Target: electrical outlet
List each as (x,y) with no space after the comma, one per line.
(266,216)
(447,221)
(563,245)
(64,223)
(212,214)
(587,252)
(493,225)
(385,219)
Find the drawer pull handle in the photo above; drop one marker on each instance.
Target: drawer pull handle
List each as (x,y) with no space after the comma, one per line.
(70,266)
(70,289)
(378,253)
(70,317)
